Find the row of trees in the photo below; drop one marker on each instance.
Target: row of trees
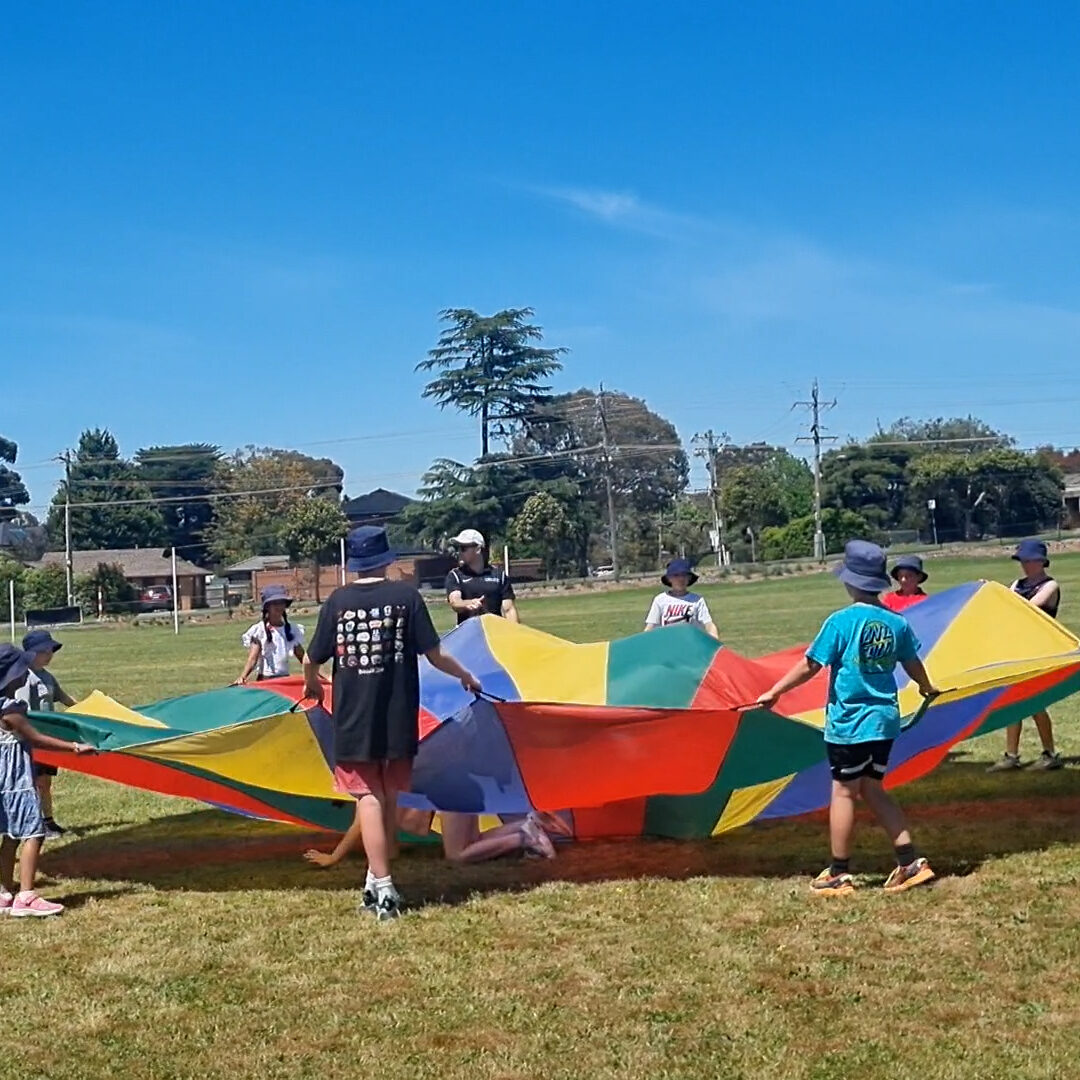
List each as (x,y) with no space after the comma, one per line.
(554,472)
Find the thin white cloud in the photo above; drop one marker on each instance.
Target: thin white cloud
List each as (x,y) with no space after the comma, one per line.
(626,210)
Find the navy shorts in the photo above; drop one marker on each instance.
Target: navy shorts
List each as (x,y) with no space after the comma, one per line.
(853,761)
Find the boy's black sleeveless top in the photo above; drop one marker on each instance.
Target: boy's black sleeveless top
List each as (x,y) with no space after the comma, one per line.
(1027,589)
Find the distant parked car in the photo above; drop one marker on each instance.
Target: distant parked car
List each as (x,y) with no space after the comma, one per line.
(604,572)
(156,598)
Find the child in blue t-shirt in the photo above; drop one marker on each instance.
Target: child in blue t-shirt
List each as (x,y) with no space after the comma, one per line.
(861,645)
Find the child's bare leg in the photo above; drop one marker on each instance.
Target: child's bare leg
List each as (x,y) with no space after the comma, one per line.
(8,848)
(390,818)
(842,818)
(1012,740)
(463,841)
(1045,729)
(28,862)
(348,842)
(43,784)
(373,813)
(885,808)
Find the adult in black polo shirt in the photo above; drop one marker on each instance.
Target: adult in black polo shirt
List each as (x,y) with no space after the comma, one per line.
(474,586)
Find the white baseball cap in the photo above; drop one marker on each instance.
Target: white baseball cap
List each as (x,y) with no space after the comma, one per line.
(468,537)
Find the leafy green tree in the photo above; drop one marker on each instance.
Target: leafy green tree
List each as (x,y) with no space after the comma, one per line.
(107,583)
(686,532)
(313,530)
(13,493)
(111,507)
(183,477)
(772,492)
(795,540)
(869,480)
(263,486)
(958,434)
(46,587)
(12,570)
(545,529)
(491,366)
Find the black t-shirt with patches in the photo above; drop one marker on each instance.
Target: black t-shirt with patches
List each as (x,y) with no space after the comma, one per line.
(375,635)
(490,585)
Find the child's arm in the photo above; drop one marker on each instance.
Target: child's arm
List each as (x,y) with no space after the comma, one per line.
(1046,595)
(802,672)
(446,663)
(17,722)
(346,844)
(253,658)
(919,677)
(63,697)
(298,652)
(710,629)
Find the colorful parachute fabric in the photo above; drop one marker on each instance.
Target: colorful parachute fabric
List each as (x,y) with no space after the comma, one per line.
(642,735)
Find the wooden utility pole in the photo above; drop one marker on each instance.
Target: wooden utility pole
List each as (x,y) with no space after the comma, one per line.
(706,446)
(605,437)
(816,407)
(69,568)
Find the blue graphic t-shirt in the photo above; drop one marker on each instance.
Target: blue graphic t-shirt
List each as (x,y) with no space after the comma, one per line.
(861,645)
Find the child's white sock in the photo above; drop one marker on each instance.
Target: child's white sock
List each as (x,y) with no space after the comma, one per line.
(384,885)
(369,881)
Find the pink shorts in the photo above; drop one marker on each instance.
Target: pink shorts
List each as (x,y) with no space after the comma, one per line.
(359,778)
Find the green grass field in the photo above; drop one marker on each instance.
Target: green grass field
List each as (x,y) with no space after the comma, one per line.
(198,945)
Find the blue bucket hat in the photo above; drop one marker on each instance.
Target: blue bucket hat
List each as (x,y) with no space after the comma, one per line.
(275,594)
(679,566)
(1032,551)
(863,567)
(367,547)
(909,562)
(14,665)
(39,641)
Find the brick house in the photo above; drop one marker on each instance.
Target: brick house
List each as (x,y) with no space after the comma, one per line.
(142,567)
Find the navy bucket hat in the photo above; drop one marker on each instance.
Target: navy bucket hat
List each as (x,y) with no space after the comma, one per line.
(367,547)
(275,594)
(909,562)
(679,566)
(14,665)
(1032,551)
(863,567)
(39,641)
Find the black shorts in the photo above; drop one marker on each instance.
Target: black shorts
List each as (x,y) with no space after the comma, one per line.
(44,770)
(853,761)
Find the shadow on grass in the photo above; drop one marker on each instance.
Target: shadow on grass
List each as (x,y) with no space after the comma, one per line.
(960,816)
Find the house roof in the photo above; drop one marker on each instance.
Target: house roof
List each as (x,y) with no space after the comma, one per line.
(377,503)
(1072,483)
(136,562)
(258,562)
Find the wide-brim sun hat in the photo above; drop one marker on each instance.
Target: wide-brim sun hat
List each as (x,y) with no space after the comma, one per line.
(14,664)
(1032,551)
(367,547)
(678,566)
(863,567)
(40,641)
(909,562)
(275,594)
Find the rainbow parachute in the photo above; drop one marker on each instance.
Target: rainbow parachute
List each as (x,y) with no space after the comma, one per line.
(637,736)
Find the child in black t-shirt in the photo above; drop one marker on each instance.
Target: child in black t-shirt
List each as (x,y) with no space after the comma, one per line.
(375,631)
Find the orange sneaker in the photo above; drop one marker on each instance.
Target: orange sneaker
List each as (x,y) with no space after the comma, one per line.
(829,884)
(908,877)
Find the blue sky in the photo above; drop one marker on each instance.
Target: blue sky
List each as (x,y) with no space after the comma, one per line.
(236,222)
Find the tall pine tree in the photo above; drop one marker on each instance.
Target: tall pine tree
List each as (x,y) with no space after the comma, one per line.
(491,366)
(111,507)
